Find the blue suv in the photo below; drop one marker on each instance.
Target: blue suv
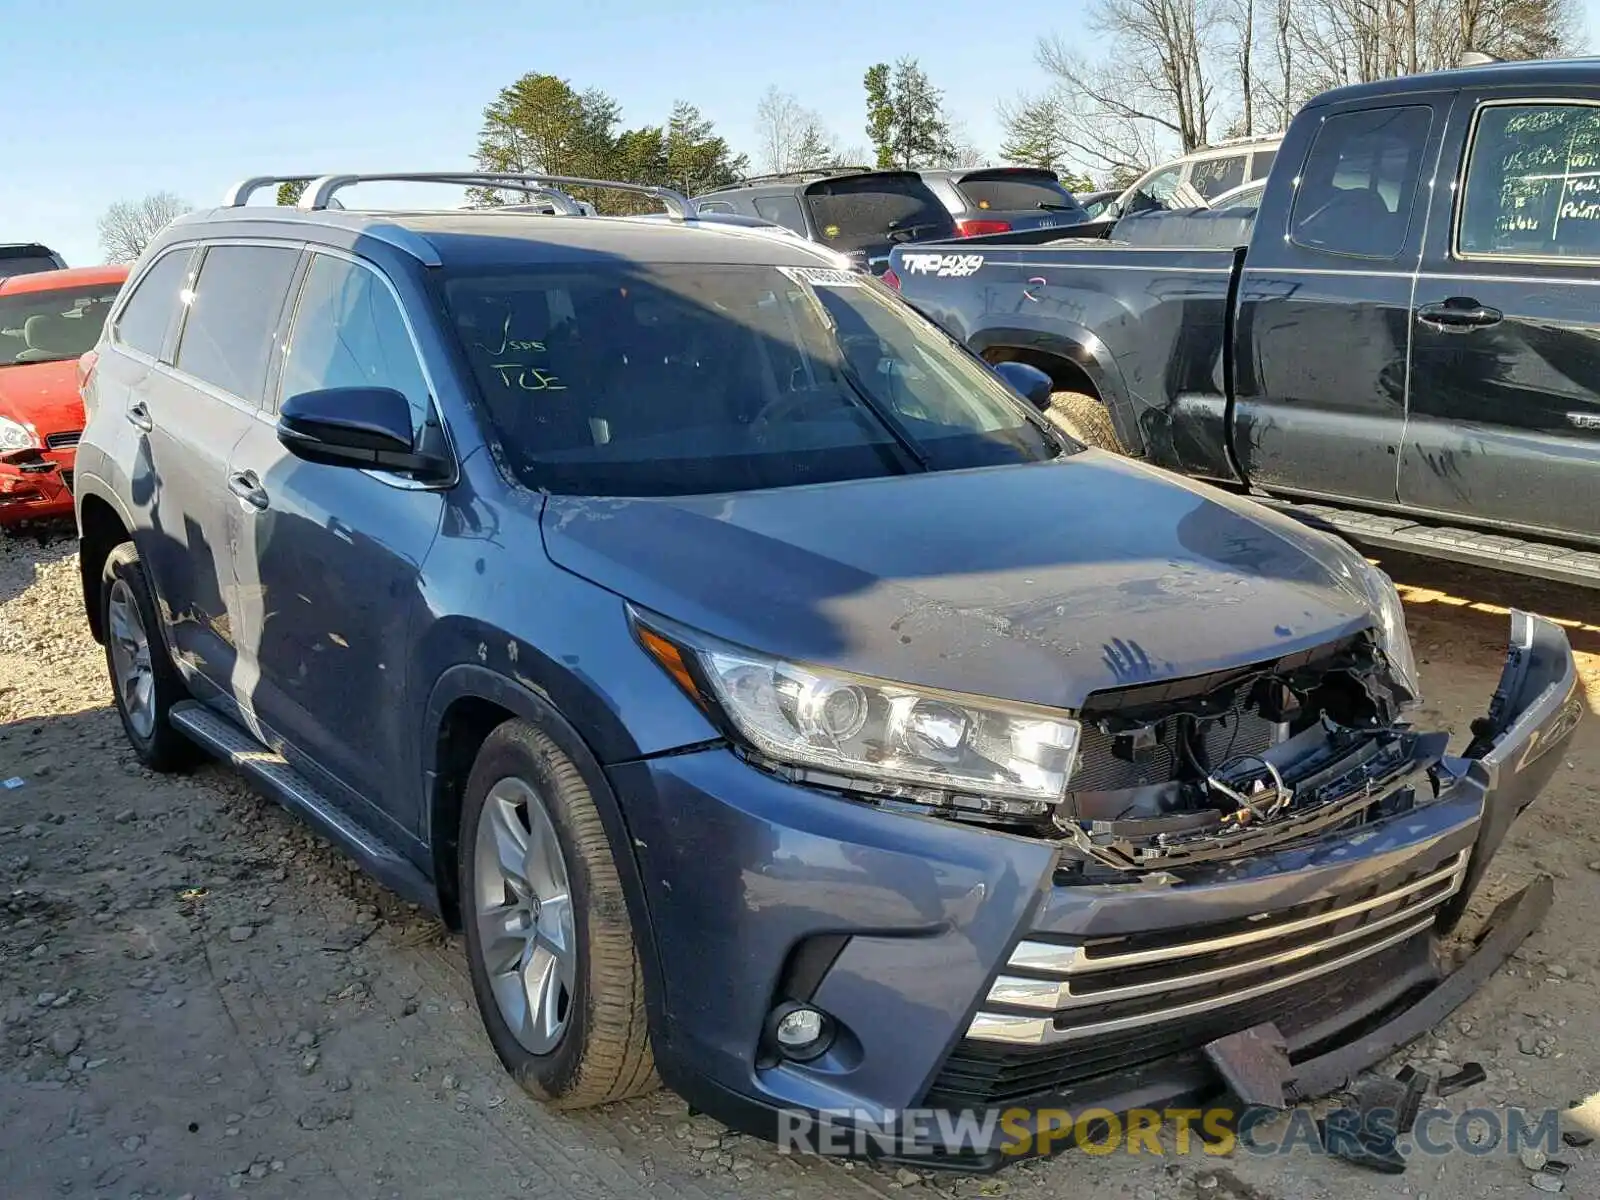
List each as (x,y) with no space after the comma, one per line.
(777,703)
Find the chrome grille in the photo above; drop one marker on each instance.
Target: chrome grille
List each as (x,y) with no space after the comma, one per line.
(1103,986)
(60,441)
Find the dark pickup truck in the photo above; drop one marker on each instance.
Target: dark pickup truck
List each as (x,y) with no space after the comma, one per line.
(1406,349)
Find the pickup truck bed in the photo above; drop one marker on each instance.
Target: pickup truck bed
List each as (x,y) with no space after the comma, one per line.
(1403,346)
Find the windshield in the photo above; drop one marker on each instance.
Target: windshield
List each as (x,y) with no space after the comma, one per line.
(1017,191)
(690,379)
(860,212)
(53,326)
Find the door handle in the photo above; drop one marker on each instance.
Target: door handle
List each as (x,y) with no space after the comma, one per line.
(1459,314)
(139,416)
(247,486)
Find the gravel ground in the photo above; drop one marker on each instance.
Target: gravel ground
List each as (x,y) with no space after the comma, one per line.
(199,997)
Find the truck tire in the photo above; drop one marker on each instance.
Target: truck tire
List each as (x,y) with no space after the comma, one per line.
(1082,416)
(550,947)
(144,683)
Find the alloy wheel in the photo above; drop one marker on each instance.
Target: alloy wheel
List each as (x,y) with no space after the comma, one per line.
(522,903)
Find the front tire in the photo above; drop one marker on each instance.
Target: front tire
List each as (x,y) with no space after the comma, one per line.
(144,683)
(1081,416)
(549,945)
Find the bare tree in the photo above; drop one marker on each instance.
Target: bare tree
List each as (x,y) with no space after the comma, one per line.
(1238,17)
(790,136)
(1153,92)
(1337,42)
(128,226)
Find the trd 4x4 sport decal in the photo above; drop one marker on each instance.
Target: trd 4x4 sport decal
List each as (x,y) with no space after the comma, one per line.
(941,264)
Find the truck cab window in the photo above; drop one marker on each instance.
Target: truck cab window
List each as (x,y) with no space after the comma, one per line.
(1533,183)
(1359,182)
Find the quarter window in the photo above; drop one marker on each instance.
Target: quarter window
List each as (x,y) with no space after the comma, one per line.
(781,210)
(148,314)
(348,332)
(1359,183)
(1533,183)
(233,312)
(1213,176)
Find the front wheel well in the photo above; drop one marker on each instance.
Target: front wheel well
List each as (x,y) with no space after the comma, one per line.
(102,531)
(466,724)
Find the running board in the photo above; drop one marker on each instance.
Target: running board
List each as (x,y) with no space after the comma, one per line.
(1499,552)
(219,736)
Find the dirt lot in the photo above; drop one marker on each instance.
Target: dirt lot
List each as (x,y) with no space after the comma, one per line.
(198,997)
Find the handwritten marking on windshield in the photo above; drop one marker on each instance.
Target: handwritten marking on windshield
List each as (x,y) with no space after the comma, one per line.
(529,379)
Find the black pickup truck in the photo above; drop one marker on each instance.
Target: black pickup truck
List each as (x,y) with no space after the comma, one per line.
(1406,349)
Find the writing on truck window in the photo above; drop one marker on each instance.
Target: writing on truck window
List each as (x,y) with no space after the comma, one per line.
(1533,183)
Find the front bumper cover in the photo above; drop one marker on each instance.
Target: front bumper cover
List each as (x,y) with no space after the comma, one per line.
(899,927)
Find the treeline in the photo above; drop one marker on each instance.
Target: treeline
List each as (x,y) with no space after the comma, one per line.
(1175,75)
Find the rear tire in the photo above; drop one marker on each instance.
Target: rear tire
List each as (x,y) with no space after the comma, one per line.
(144,683)
(550,947)
(1081,416)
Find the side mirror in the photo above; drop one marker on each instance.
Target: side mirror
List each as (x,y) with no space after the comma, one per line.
(1032,384)
(352,427)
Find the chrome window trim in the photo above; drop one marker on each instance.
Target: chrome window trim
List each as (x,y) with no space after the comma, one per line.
(1456,254)
(389,478)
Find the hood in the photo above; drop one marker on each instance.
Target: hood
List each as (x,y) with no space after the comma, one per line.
(44,395)
(1039,583)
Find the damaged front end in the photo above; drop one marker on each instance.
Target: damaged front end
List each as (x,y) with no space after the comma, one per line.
(1228,764)
(1273,851)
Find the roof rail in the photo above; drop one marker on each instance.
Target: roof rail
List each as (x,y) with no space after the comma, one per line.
(779,176)
(323,189)
(239,194)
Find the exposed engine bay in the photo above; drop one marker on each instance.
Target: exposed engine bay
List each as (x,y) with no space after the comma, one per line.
(1219,765)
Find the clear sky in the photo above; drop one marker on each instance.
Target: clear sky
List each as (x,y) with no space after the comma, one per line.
(111,101)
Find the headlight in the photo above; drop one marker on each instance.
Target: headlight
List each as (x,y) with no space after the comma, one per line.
(868,735)
(1379,589)
(14,436)
(1392,628)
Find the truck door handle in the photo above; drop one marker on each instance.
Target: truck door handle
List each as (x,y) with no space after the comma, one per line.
(247,486)
(139,416)
(1459,314)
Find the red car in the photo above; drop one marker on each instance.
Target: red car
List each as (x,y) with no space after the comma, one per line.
(47,320)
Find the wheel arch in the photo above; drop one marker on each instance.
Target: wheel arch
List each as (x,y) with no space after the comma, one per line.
(468,702)
(103,525)
(1075,359)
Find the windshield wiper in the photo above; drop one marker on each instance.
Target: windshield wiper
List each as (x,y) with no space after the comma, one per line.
(1048,207)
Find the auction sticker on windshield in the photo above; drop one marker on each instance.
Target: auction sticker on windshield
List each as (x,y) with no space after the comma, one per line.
(823,276)
(943,265)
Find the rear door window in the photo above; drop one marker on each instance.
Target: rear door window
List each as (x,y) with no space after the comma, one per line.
(1533,183)
(1359,183)
(781,210)
(856,212)
(1213,176)
(348,332)
(1016,191)
(147,316)
(233,314)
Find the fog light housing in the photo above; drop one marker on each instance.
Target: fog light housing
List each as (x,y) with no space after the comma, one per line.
(799,1031)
